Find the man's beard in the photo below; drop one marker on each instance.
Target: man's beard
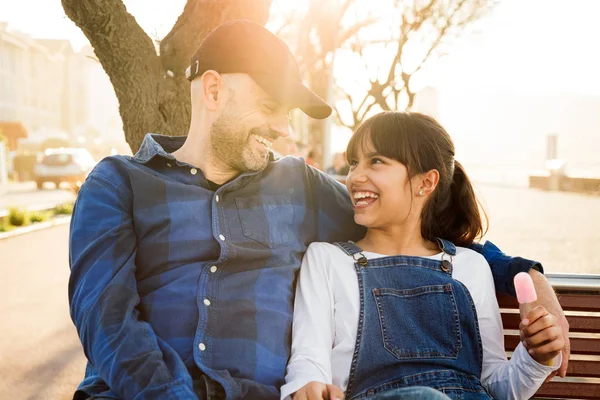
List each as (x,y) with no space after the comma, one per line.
(233,147)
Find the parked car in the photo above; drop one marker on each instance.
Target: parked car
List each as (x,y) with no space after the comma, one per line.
(71,165)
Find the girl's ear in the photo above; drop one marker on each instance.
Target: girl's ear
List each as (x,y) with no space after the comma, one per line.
(427,182)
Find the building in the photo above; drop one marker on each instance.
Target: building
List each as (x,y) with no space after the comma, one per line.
(74,93)
(102,105)
(12,132)
(43,83)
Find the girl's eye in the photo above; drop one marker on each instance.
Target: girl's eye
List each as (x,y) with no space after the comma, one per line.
(353,163)
(376,161)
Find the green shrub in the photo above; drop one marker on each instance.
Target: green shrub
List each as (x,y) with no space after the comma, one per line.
(38,216)
(17,217)
(64,209)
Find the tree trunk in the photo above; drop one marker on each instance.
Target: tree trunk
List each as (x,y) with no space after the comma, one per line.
(151,88)
(318,80)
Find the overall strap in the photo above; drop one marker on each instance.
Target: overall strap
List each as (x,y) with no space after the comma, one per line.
(449,249)
(446,246)
(351,249)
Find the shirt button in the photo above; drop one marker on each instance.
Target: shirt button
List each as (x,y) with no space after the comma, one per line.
(217,198)
(206,302)
(222,238)
(202,347)
(193,171)
(213,269)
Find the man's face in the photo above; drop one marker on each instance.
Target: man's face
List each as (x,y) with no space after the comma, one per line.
(247,126)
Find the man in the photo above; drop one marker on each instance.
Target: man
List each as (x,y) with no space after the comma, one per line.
(183,257)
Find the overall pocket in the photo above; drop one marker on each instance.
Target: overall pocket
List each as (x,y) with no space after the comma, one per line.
(419,323)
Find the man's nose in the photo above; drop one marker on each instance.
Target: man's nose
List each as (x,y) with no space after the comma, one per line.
(281,125)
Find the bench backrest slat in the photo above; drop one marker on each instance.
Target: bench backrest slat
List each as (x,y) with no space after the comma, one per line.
(569,390)
(582,308)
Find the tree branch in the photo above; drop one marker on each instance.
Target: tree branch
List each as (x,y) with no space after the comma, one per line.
(369,107)
(362,103)
(128,56)
(339,119)
(197,19)
(150,98)
(111,29)
(448,23)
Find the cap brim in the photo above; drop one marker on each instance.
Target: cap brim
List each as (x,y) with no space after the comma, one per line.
(294,95)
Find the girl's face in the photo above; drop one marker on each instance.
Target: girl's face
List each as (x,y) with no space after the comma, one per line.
(381,190)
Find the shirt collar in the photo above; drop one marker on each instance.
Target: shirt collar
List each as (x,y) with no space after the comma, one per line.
(158,145)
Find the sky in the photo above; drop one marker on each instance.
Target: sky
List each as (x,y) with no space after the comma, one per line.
(493,81)
(525,45)
(49,20)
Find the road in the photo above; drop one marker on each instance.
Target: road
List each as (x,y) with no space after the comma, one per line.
(40,354)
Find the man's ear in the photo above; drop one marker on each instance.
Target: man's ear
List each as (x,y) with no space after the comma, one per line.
(212,84)
(428,181)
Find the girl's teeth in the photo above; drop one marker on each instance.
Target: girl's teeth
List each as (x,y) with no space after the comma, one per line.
(363,195)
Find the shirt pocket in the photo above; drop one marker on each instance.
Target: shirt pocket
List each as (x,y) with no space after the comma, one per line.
(419,323)
(269,220)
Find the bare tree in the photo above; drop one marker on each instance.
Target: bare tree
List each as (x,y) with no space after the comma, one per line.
(150,83)
(315,35)
(428,25)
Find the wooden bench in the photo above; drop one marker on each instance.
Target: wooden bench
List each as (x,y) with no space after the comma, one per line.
(579,296)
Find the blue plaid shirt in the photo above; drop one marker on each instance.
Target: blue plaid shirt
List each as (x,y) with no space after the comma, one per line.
(171,280)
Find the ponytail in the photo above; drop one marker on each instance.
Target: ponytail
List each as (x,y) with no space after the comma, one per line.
(453,213)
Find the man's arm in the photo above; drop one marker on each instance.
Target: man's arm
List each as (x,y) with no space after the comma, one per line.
(546,297)
(103,296)
(504,268)
(335,210)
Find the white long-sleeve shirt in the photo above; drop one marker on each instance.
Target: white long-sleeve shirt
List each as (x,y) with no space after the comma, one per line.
(326,321)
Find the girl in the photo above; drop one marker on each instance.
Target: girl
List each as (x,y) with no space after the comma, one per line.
(406,310)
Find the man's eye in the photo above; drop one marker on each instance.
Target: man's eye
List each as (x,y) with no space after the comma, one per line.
(269,108)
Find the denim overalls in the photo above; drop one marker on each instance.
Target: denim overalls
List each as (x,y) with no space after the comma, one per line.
(417,327)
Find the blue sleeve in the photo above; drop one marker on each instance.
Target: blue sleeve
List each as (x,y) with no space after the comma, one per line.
(103,296)
(335,210)
(504,267)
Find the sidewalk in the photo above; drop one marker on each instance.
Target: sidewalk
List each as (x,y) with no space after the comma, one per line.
(26,195)
(40,354)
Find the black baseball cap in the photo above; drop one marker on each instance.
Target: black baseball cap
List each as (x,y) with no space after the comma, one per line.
(243,46)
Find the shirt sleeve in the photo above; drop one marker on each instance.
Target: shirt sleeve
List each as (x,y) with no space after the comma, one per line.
(518,378)
(103,296)
(313,326)
(335,210)
(504,267)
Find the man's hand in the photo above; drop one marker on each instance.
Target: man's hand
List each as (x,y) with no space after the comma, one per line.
(318,391)
(547,299)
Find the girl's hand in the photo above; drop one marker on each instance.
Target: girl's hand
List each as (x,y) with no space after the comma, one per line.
(541,335)
(318,391)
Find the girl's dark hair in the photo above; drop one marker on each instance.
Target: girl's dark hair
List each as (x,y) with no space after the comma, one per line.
(421,144)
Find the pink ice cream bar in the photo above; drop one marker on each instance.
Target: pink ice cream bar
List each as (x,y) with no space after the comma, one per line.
(525,295)
(524,288)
